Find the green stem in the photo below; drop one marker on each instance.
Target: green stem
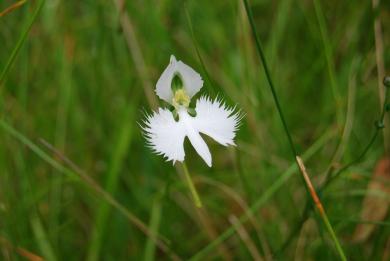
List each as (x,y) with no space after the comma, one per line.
(194,193)
(268,75)
(279,109)
(333,235)
(379,126)
(331,178)
(208,78)
(265,197)
(320,208)
(329,59)
(20,42)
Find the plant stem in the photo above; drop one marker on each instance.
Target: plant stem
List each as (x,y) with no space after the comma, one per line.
(320,208)
(74,171)
(331,178)
(194,193)
(12,7)
(268,75)
(264,198)
(308,184)
(20,42)
(379,126)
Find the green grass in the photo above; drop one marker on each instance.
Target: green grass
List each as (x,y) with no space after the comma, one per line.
(79,75)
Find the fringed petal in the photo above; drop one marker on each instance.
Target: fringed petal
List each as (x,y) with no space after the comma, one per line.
(164,135)
(216,120)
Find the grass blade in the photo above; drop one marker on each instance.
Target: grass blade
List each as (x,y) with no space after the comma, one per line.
(20,42)
(88,181)
(42,239)
(118,157)
(277,103)
(12,7)
(283,178)
(154,224)
(320,208)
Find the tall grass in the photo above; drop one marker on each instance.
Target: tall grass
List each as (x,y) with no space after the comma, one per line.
(78,183)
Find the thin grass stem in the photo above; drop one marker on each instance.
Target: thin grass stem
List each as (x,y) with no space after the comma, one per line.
(380,66)
(378,127)
(20,42)
(76,172)
(197,50)
(329,59)
(320,208)
(268,75)
(331,178)
(285,127)
(194,193)
(282,179)
(136,52)
(12,7)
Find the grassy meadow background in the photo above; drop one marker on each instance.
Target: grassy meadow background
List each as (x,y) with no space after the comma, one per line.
(77,181)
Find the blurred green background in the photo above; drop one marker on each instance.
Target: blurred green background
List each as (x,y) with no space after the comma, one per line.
(84,77)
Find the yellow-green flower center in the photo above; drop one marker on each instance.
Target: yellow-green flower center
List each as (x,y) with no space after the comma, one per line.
(180,98)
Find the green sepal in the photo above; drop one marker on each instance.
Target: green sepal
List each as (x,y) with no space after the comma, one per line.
(175,115)
(191,111)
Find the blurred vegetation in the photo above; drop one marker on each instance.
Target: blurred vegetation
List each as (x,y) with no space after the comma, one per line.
(84,77)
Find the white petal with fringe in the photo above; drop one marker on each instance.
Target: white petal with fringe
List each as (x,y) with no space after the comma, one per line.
(213,118)
(164,135)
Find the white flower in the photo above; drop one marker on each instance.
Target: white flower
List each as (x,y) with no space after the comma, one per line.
(192,82)
(165,135)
